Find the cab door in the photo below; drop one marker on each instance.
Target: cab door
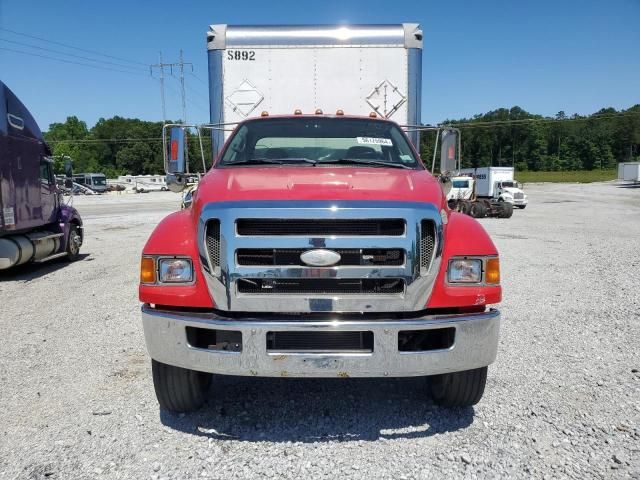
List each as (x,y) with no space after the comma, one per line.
(48,191)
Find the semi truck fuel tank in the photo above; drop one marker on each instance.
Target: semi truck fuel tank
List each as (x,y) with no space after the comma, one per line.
(20,249)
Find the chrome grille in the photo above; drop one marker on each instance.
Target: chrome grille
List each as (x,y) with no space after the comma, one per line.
(518,195)
(319,227)
(320,286)
(291,256)
(427,244)
(213,242)
(384,248)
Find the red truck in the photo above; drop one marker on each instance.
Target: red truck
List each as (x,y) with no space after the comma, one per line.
(317,246)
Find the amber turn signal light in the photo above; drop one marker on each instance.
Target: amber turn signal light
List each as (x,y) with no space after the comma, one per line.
(492,273)
(148,270)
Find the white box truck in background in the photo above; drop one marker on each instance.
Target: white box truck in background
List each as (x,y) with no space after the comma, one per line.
(497,183)
(282,69)
(629,172)
(486,191)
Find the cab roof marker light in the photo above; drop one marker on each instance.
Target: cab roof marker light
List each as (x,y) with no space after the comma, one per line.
(373,115)
(318,111)
(339,112)
(264,113)
(297,112)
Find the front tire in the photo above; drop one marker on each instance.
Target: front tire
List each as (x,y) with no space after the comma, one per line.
(458,389)
(179,389)
(74,241)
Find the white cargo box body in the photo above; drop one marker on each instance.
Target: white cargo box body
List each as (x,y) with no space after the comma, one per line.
(629,171)
(279,69)
(487,177)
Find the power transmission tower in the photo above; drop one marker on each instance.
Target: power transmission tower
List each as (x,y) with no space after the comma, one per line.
(162,66)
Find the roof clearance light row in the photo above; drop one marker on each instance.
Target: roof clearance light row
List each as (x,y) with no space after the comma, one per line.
(297,111)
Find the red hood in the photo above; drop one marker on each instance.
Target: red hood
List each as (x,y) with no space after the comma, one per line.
(318,183)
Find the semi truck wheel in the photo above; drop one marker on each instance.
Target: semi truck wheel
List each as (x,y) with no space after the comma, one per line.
(478,210)
(458,389)
(73,243)
(179,389)
(465,207)
(506,210)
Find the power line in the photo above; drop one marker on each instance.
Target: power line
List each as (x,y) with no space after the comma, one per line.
(68,54)
(22,52)
(109,140)
(199,79)
(71,46)
(117,140)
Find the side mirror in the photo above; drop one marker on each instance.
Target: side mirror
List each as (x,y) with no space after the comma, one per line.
(176,183)
(174,155)
(449,151)
(68,167)
(68,173)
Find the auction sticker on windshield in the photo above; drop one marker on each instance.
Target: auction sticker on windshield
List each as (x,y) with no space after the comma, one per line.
(374,141)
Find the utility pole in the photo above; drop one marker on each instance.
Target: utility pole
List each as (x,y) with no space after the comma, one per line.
(184,103)
(162,66)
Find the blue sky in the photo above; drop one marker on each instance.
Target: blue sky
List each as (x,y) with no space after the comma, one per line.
(544,56)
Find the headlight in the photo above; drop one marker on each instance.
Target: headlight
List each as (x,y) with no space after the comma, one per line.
(462,270)
(478,271)
(175,270)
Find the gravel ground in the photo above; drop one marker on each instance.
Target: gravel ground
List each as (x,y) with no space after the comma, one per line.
(562,399)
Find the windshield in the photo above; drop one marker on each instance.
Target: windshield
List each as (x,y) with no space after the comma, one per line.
(509,185)
(460,184)
(99,181)
(319,141)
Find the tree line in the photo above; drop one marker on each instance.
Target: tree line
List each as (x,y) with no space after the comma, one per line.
(502,137)
(515,137)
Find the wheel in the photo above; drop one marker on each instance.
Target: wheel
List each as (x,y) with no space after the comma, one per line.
(506,210)
(521,207)
(74,241)
(179,389)
(478,210)
(458,389)
(465,207)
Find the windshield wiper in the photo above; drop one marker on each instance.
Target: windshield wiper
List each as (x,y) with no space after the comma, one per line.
(362,161)
(272,161)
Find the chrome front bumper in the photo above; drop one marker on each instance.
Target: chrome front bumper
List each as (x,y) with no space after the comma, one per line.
(475,346)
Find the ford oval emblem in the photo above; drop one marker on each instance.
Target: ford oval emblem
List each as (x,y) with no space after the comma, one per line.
(320,257)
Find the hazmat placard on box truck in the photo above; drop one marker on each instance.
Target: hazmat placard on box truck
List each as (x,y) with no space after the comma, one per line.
(281,69)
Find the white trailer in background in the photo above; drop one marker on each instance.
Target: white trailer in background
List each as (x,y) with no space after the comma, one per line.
(497,184)
(143,183)
(629,172)
(357,69)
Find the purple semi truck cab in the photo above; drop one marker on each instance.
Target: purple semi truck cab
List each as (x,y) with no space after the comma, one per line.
(35,224)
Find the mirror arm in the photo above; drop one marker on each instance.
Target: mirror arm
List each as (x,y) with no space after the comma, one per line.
(435,151)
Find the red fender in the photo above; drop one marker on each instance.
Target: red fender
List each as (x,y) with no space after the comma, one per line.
(175,236)
(463,236)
